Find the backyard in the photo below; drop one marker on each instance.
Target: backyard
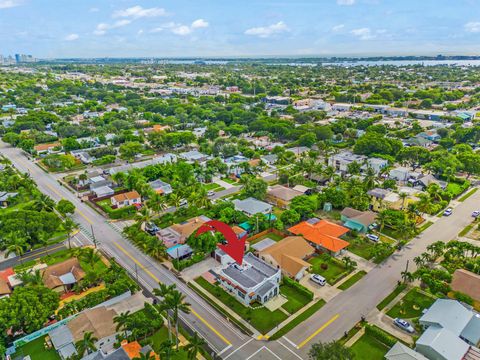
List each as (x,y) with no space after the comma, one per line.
(331,269)
(411,305)
(36,350)
(296,299)
(260,318)
(369,348)
(273,236)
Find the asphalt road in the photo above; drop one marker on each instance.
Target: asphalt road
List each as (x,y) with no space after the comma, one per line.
(32,255)
(328,323)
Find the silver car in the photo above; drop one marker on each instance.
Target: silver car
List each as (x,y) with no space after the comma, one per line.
(404,325)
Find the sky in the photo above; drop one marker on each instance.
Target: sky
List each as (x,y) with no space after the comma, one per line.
(238,28)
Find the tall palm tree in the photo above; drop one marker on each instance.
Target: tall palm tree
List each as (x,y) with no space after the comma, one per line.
(195,344)
(166,350)
(176,301)
(145,356)
(121,321)
(404,197)
(44,202)
(163,291)
(90,256)
(87,344)
(68,226)
(174,200)
(16,246)
(157,203)
(155,248)
(31,277)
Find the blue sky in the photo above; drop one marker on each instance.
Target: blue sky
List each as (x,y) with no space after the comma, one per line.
(194,28)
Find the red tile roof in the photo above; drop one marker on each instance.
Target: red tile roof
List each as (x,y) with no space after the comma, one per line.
(323,233)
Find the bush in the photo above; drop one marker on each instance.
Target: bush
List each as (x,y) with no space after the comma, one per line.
(121,213)
(183,264)
(301,289)
(463,297)
(380,335)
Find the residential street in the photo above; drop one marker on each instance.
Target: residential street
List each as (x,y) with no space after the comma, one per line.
(337,316)
(32,255)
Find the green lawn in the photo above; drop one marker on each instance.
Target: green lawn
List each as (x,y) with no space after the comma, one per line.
(353,279)
(299,319)
(411,305)
(369,348)
(271,235)
(296,300)
(230,181)
(211,186)
(425,226)
(362,248)
(391,296)
(37,351)
(157,339)
(335,271)
(468,194)
(454,189)
(260,318)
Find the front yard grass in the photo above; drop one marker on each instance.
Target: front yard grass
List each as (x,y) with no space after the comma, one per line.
(211,186)
(411,305)
(260,318)
(230,181)
(296,300)
(362,248)
(335,270)
(353,279)
(36,350)
(391,296)
(369,348)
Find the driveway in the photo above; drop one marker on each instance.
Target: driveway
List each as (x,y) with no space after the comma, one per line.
(198,269)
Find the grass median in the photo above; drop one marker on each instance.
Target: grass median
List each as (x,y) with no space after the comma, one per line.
(352,280)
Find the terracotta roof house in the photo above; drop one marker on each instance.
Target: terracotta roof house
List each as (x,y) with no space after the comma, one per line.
(357,220)
(4,288)
(281,196)
(43,148)
(289,254)
(178,233)
(322,234)
(466,282)
(63,276)
(126,199)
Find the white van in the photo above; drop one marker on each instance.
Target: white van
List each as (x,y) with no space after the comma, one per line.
(320,280)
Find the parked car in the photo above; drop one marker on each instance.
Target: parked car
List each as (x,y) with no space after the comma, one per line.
(448,212)
(476,213)
(211,193)
(372,226)
(183,203)
(373,237)
(151,228)
(404,325)
(320,280)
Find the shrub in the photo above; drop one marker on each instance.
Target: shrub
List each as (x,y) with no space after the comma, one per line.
(380,335)
(463,297)
(301,289)
(121,213)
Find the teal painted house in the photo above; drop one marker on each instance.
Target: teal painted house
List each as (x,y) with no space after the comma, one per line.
(357,220)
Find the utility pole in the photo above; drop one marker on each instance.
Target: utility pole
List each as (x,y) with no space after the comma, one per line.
(136,272)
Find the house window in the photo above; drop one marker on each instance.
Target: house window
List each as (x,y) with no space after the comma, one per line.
(242,295)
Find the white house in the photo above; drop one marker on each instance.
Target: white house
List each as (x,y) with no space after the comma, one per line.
(254,280)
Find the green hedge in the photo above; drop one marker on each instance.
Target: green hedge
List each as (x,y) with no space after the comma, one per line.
(121,213)
(380,335)
(300,288)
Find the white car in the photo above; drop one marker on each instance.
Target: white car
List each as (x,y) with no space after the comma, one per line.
(448,212)
(320,280)
(373,237)
(476,213)
(404,325)
(183,203)
(210,193)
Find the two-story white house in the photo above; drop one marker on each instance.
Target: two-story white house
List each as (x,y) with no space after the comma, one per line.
(254,280)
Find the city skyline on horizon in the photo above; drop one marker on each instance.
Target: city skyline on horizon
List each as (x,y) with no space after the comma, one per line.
(269,28)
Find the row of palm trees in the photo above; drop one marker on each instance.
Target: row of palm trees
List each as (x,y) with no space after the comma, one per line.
(171,303)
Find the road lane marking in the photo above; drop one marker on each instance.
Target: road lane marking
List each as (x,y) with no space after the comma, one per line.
(323,327)
(84,216)
(289,341)
(55,191)
(271,352)
(286,347)
(42,252)
(255,353)
(158,280)
(233,352)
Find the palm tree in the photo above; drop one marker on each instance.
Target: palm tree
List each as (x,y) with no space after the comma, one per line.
(176,301)
(174,200)
(349,263)
(194,346)
(121,321)
(404,197)
(155,248)
(43,202)
(68,226)
(31,278)
(407,276)
(16,246)
(157,203)
(166,350)
(87,344)
(90,256)
(163,291)
(382,218)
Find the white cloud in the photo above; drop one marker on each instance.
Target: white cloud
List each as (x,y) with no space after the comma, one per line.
(346,2)
(7,4)
(199,23)
(363,33)
(338,28)
(102,28)
(137,12)
(71,37)
(267,31)
(181,30)
(473,27)
(94,9)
